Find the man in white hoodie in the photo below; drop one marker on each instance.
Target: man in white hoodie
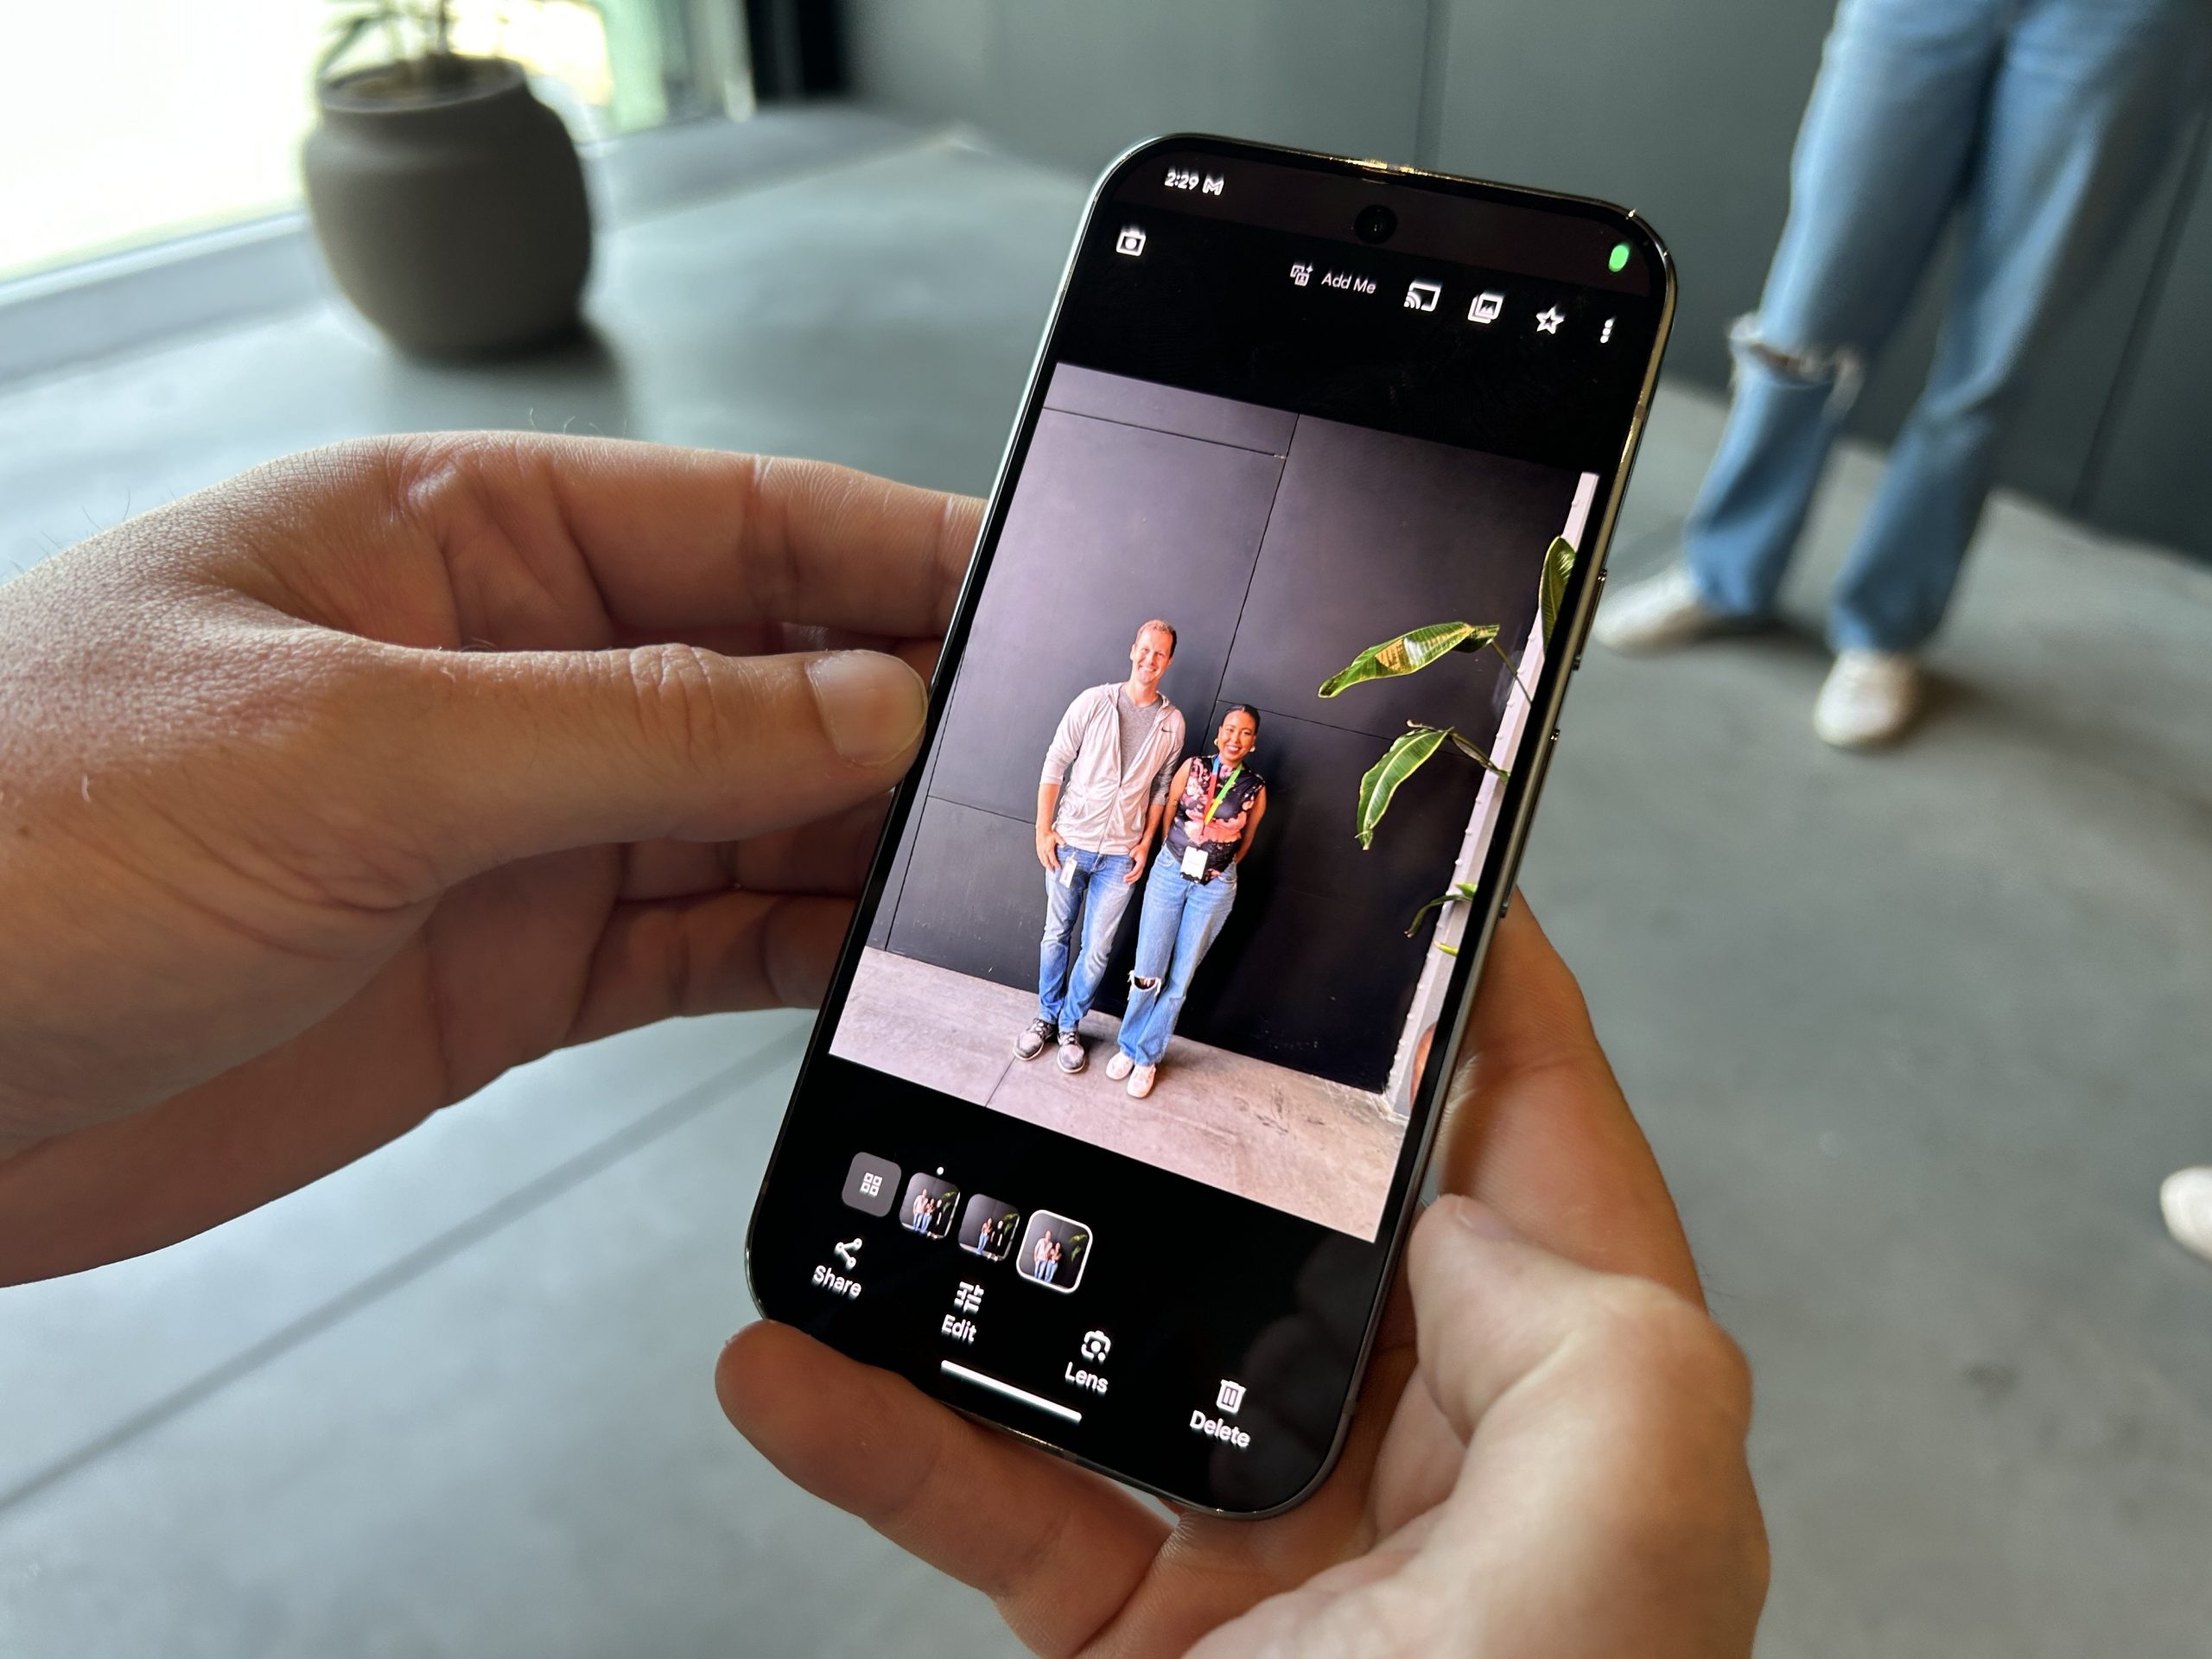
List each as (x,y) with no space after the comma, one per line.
(1098,809)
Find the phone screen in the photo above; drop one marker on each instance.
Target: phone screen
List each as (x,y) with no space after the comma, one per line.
(1117,1108)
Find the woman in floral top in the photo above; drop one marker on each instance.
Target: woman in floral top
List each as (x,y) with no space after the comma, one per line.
(1218,801)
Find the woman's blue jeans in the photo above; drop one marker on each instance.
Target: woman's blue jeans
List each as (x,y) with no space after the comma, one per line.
(1181,920)
(2042,124)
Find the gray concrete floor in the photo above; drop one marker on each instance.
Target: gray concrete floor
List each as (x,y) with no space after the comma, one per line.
(1916,1036)
(1303,1144)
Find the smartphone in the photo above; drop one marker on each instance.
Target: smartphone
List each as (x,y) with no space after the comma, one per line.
(1117,1114)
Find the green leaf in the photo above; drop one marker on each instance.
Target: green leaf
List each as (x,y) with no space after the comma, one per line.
(1460,893)
(1403,757)
(1410,652)
(1558,565)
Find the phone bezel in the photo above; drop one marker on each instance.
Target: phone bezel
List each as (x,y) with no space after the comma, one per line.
(1519,796)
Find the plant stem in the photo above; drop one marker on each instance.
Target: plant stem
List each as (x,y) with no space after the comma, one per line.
(1468,746)
(1511,668)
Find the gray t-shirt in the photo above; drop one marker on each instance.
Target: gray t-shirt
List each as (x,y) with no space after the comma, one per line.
(1136,721)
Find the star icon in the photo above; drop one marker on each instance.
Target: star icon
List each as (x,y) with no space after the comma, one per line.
(1547,320)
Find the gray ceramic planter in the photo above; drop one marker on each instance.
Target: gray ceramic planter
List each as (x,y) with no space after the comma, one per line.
(453,217)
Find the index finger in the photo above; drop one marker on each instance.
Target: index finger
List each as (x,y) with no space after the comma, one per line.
(676,538)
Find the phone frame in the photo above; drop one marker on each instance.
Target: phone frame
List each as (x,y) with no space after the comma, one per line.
(1520,795)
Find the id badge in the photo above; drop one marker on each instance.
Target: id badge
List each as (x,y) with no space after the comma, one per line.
(1194,861)
(1067,868)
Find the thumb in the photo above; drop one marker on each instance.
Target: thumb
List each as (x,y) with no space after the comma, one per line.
(1504,1324)
(514,753)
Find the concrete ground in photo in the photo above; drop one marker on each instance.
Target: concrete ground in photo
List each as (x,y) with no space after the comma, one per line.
(1915,1036)
(1316,1148)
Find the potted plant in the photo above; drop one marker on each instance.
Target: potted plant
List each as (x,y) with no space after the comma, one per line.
(449,202)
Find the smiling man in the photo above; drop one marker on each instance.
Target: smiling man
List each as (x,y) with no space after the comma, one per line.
(1098,807)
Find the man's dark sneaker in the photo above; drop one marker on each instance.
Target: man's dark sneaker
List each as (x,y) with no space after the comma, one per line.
(1035,1036)
(1073,1055)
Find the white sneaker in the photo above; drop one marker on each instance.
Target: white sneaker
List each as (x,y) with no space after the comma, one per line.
(1119,1066)
(1140,1081)
(1868,699)
(1655,613)
(2187,1199)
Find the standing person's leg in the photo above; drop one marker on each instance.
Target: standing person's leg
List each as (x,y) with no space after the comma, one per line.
(1106,891)
(1879,162)
(1158,924)
(1205,912)
(2091,100)
(1063,902)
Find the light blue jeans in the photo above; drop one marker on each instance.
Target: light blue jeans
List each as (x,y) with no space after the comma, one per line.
(1181,920)
(2042,124)
(1095,897)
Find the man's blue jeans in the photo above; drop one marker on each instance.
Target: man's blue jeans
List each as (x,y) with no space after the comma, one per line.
(2043,123)
(1181,920)
(1095,897)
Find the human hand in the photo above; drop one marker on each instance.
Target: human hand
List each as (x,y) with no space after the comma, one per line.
(1048,850)
(1547,1457)
(329,794)
(1136,866)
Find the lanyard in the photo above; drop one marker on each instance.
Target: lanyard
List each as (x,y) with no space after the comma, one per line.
(1237,772)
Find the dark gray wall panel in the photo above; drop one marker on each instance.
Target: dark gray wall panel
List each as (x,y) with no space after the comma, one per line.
(2155,474)
(1169,408)
(974,897)
(1077,82)
(1373,534)
(937,59)
(1113,524)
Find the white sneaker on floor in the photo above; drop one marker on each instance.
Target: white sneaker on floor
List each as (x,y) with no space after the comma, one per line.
(1119,1066)
(1868,699)
(2187,1199)
(1655,613)
(1140,1081)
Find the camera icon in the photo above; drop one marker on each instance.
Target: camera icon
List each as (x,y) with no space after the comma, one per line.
(1096,1344)
(1130,241)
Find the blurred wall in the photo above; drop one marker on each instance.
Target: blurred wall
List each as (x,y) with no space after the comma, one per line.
(1686,113)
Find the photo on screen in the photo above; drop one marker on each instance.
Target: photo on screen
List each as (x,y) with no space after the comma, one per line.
(1180,579)
(928,1207)
(988,1227)
(1053,1251)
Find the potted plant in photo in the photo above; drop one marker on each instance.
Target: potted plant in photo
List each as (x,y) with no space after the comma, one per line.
(449,202)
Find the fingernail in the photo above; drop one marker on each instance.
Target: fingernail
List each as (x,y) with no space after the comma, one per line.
(1477,1217)
(871,705)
